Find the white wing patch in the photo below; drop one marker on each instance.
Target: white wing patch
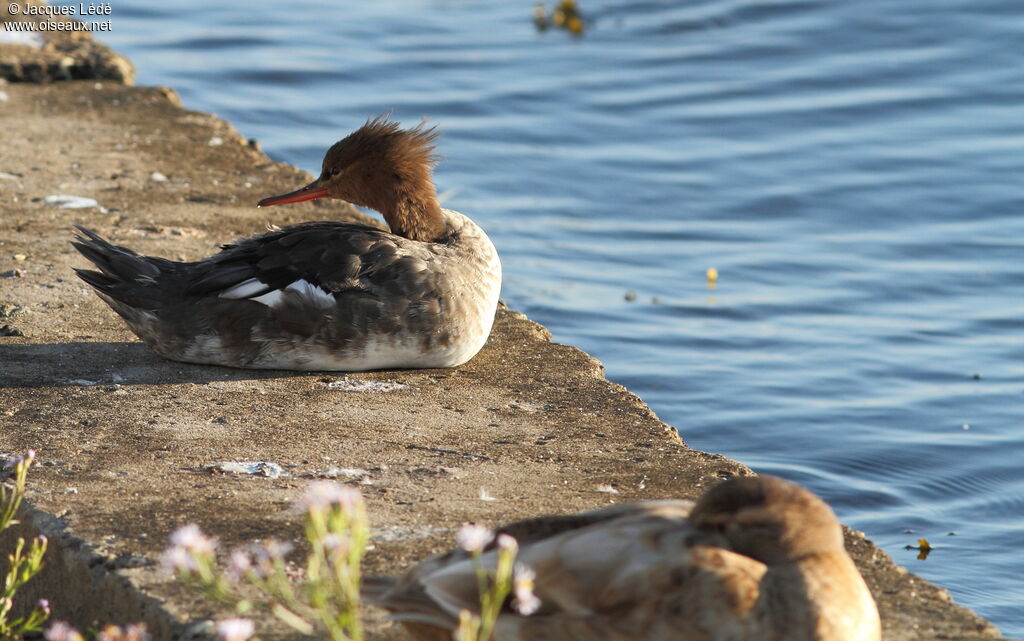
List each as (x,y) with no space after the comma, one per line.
(256,291)
(309,290)
(272,298)
(245,289)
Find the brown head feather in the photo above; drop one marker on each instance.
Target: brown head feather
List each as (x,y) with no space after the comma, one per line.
(768,519)
(387,168)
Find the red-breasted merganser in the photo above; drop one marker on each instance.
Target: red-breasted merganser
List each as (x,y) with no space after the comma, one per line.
(755,559)
(323,295)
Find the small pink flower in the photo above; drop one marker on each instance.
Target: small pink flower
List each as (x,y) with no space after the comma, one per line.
(473,538)
(192,538)
(135,632)
(239,564)
(178,559)
(275,549)
(525,601)
(235,629)
(322,494)
(506,542)
(61,631)
(44,605)
(336,544)
(267,555)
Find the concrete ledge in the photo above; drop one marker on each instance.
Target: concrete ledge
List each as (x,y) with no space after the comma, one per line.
(88,586)
(125,437)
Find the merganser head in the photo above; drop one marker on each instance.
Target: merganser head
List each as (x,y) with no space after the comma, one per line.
(768,519)
(383,167)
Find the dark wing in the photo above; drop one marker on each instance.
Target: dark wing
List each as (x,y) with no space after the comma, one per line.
(332,256)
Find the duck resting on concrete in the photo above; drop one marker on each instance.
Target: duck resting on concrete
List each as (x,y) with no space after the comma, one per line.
(755,559)
(323,295)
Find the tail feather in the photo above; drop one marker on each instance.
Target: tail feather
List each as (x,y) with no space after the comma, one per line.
(96,280)
(124,277)
(373,588)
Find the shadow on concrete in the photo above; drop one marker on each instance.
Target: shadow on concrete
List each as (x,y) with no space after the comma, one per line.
(84,364)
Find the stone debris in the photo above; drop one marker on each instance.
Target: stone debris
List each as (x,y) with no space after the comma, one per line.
(345,473)
(356,385)
(80,382)
(126,561)
(392,533)
(66,201)
(7,310)
(167,231)
(7,330)
(254,468)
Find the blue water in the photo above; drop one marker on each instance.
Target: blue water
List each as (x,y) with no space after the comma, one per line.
(854,170)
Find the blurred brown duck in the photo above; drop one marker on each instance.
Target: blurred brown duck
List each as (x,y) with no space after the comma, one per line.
(755,559)
(323,295)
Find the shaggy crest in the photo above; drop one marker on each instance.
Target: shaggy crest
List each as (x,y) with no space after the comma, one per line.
(387,168)
(408,152)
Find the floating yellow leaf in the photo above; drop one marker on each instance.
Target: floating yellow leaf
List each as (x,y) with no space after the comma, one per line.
(924,548)
(712,274)
(564,15)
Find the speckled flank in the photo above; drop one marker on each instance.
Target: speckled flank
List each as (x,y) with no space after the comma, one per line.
(400,303)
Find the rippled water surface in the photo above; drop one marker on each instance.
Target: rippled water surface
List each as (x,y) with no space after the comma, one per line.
(854,170)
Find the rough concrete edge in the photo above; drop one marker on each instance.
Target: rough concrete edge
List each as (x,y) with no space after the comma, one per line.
(65,55)
(72,564)
(595,368)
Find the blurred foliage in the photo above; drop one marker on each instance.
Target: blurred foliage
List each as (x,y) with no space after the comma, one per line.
(564,15)
(23,562)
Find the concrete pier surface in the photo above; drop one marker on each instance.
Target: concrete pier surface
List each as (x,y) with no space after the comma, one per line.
(129,443)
